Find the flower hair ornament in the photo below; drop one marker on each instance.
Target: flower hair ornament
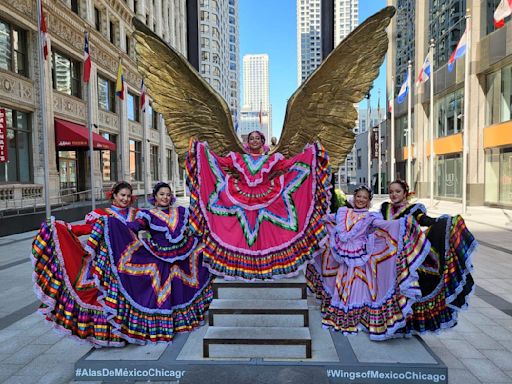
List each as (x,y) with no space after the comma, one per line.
(117,187)
(359,188)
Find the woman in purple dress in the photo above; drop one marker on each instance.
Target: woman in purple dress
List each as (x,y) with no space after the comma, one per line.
(366,277)
(152,287)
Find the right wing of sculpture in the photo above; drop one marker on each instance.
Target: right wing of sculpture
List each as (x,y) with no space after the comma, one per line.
(189,105)
(323,107)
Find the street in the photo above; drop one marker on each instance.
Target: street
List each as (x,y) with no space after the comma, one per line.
(477,350)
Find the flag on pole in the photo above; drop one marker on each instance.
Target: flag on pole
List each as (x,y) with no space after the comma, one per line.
(503,10)
(404,89)
(459,51)
(120,82)
(44,33)
(142,96)
(390,103)
(87,59)
(424,72)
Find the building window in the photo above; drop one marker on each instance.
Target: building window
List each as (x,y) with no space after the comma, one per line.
(75,6)
(106,96)
(133,107)
(135,160)
(449,176)
(112,30)
(66,75)
(13,48)
(153,115)
(153,162)
(449,114)
(170,164)
(127,44)
(498,176)
(19,148)
(499,96)
(97,19)
(109,160)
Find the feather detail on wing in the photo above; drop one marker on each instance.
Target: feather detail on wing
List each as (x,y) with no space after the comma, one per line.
(189,105)
(323,108)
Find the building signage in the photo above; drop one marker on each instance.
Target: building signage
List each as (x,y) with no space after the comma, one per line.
(3,136)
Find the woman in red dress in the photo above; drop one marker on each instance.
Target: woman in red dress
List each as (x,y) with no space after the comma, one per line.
(62,276)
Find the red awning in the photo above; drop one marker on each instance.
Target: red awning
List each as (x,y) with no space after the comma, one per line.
(72,135)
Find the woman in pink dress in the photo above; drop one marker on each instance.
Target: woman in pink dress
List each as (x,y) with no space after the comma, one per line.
(259,214)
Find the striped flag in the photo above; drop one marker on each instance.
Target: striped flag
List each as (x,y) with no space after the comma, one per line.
(503,10)
(44,33)
(404,89)
(87,59)
(142,96)
(120,82)
(424,72)
(459,51)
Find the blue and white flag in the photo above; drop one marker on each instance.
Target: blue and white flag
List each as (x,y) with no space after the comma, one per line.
(404,89)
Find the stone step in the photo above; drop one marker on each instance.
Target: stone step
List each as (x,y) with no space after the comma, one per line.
(266,342)
(258,312)
(278,289)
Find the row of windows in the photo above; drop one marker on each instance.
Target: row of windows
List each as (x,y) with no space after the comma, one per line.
(135,149)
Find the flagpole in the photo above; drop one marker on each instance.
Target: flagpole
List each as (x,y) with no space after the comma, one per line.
(91,146)
(409,126)
(431,123)
(467,67)
(392,173)
(379,162)
(145,152)
(369,131)
(42,106)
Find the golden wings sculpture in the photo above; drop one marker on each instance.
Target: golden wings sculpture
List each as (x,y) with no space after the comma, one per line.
(321,109)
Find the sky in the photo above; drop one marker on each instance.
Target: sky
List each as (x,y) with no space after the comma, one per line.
(270,26)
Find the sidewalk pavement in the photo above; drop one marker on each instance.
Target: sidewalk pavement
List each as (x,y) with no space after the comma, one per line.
(477,351)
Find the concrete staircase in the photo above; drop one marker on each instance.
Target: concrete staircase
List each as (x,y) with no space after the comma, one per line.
(267,319)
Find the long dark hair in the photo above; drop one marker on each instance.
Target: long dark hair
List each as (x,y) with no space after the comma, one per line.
(117,187)
(158,186)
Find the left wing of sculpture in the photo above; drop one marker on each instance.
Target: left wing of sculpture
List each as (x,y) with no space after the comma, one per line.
(189,105)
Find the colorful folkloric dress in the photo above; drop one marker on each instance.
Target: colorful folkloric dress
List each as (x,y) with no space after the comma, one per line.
(151,288)
(259,216)
(366,277)
(64,282)
(445,276)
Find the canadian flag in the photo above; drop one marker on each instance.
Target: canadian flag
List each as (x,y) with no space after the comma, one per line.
(503,10)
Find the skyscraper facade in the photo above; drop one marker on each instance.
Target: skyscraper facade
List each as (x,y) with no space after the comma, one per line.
(219,55)
(489,149)
(309,36)
(309,49)
(256,110)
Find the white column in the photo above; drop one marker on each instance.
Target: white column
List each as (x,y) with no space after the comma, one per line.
(162,135)
(431,123)
(157,12)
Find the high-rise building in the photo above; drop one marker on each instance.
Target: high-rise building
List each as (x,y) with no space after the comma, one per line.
(309,31)
(256,110)
(309,48)
(219,48)
(489,151)
(110,27)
